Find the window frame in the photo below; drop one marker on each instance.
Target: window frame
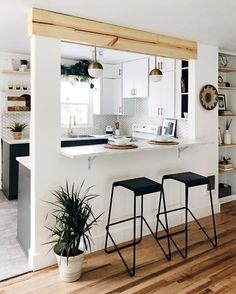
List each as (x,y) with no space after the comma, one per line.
(90,105)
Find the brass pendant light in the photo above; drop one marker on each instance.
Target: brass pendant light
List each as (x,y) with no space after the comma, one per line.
(156,74)
(95,69)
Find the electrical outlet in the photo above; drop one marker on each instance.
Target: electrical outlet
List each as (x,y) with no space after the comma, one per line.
(212,181)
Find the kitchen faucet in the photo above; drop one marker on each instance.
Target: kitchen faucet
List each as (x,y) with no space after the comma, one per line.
(70,130)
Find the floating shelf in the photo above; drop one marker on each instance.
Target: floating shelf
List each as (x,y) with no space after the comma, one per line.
(15,72)
(20,92)
(227,88)
(227,69)
(14,112)
(227,145)
(227,171)
(227,116)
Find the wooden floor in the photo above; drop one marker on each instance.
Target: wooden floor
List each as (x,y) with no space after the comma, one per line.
(206,270)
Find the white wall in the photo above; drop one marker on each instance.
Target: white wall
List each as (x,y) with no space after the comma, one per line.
(50,169)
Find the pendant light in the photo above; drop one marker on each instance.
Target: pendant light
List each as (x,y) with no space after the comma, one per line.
(155,74)
(95,69)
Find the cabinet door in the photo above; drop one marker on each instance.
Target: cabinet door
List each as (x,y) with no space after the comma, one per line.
(107,96)
(135,78)
(162,96)
(128,79)
(141,77)
(117,97)
(166,64)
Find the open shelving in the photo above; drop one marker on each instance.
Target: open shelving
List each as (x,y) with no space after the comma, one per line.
(228,74)
(227,145)
(20,92)
(15,72)
(227,88)
(227,69)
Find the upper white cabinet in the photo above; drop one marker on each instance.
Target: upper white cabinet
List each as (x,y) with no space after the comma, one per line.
(135,78)
(107,98)
(165,64)
(162,94)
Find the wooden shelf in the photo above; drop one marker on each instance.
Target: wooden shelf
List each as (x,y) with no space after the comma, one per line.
(14,112)
(227,145)
(227,88)
(15,72)
(227,171)
(227,116)
(227,69)
(20,92)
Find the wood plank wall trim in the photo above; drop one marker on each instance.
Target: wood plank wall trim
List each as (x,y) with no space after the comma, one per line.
(84,31)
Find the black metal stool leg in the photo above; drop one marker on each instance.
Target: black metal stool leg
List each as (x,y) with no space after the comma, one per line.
(213,216)
(141,219)
(132,272)
(186,222)
(167,226)
(109,218)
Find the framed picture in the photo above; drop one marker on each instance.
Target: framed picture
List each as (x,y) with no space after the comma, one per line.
(168,127)
(221,102)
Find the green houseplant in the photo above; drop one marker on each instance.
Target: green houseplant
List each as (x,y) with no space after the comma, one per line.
(80,71)
(17,129)
(71,233)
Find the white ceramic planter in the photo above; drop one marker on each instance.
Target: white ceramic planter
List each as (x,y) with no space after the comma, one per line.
(70,271)
(227,138)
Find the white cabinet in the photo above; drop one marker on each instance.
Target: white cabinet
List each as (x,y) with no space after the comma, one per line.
(165,64)
(162,96)
(107,98)
(135,78)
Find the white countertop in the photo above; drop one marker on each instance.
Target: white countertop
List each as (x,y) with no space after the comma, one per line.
(13,141)
(25,141)
(24,160)
(143,145)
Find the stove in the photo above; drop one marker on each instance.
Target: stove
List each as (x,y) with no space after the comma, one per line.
(142,131)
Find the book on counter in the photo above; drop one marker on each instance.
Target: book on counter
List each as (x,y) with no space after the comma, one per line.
(226,112)
(225,167)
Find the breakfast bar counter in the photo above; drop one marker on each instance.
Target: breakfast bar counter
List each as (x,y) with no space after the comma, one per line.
(143,145)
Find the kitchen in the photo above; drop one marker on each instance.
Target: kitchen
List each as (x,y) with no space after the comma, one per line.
(51,165)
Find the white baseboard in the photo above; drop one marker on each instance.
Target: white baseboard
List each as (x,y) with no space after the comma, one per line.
(227,199)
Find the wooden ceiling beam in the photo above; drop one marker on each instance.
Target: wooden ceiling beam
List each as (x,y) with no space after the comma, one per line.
(89,32)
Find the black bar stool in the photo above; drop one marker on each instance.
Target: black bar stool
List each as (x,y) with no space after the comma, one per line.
(190,180)
(139,187)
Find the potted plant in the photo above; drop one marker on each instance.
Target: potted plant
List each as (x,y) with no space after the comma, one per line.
(17,129)
(71,233)
(23,64)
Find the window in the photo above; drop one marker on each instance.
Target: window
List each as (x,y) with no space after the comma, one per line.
(76,100)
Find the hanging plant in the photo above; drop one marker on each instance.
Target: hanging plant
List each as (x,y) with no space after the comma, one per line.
(80,71)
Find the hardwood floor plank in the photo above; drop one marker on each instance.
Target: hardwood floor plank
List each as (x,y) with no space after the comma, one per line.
(206,270)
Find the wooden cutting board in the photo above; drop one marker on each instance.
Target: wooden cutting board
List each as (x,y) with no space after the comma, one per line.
(163,143)
(120,147)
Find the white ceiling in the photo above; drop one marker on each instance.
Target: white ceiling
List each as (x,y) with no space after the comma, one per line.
(210,22)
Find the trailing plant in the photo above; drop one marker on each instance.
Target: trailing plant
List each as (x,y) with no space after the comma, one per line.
(74,220)
(17,127)
(228,124)
(80,70)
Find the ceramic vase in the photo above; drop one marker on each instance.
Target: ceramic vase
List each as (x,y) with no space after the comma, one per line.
(227,137)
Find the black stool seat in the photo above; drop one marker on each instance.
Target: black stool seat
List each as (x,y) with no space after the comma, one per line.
(188,178)
(140,186)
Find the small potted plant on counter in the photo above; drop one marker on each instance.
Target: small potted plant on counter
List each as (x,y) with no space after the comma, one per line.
(74,220)
(17,129)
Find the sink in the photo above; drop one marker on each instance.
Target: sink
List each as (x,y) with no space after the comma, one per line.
(86,136)
(79,136)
